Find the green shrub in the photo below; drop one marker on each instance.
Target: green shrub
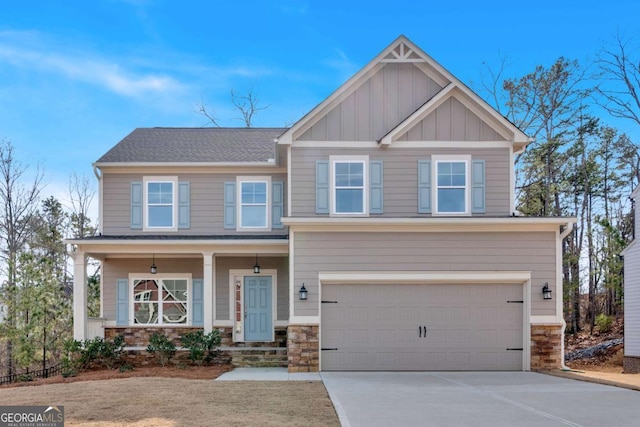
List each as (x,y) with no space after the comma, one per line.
(126,367)
(604,322)
(202,348)
(161,347)
(80,355)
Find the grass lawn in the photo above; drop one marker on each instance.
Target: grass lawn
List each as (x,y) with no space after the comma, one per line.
(153,401)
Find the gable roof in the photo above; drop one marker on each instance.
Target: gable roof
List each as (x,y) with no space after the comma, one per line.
(197,145)
(403,50)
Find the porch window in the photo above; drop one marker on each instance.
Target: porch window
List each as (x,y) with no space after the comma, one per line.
(160,301)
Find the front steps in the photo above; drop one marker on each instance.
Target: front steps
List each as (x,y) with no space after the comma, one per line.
(257,357)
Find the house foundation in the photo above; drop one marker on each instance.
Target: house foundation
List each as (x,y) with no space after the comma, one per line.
(546,347)
(303,348)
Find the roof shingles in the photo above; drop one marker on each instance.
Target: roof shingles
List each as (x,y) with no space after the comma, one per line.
(206,145)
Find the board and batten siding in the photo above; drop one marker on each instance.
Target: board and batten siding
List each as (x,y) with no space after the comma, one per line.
(224,264)
(451,121)
(425,252)
(377,106)
(206,205)
(400,185)
(116,268)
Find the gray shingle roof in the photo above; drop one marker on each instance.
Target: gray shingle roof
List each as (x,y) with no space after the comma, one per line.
(195,145)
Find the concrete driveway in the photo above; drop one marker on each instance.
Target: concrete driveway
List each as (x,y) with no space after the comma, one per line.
(477,399)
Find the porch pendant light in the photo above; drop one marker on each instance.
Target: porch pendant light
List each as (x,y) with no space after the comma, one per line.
(153,269)
(256,267)
(303,293)
(546,292)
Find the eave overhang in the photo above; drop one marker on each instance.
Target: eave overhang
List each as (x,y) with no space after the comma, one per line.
(431,224)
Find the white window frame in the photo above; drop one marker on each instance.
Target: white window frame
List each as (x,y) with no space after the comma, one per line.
(249,179)
(466,159)
(365,184)
(159,277)
(145,191)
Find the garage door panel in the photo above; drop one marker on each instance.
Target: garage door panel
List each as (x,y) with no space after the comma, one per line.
(381,327)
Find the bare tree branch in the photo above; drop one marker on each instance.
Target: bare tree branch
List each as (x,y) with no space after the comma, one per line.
(619,74)
(201,108)
(248,105)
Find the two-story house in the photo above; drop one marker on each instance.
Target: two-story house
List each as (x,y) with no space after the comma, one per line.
(379,232)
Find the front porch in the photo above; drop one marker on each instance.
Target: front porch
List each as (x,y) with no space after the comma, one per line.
(238,286)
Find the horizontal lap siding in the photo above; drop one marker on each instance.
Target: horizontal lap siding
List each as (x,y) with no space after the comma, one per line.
(632,300)
(452,252)
(207,203)
(400,177)
(114,269)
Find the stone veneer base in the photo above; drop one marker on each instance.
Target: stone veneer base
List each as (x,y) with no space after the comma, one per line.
(303,348)
(631,364)
(546,347)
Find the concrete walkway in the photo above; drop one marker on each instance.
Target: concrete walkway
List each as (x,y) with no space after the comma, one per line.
(267,374)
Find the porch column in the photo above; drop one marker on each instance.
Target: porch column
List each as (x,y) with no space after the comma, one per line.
(79,296)
(207,276)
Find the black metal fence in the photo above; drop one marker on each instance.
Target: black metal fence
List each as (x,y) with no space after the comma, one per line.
(51,371)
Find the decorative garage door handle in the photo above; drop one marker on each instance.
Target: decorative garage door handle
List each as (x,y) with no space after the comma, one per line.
(422,331)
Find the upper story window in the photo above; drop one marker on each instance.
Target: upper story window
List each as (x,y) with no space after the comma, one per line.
(452,194)
(349,185)
(255,199)
(161,202)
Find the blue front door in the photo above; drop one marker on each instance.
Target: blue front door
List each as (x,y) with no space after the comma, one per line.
(258,311)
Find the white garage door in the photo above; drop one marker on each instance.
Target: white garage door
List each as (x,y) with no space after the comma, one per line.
(421,327)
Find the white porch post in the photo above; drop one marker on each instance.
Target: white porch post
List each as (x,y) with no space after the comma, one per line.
(207,276)
(80,296)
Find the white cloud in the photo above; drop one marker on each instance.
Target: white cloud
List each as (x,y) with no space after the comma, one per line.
(97,71)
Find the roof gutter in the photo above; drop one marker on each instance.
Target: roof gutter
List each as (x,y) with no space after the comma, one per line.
(270,162)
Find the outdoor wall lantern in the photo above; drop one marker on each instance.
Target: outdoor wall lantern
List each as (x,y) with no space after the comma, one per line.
(546,292)
(303,293)
(153,269)
(256,267)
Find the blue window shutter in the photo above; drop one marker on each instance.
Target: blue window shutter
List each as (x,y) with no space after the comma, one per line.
(277,204)
(197,302)
(122,302)
(424,186)
(322,186)
(184,204)
(229,205)
(477,186)
(136,205)
(375,187)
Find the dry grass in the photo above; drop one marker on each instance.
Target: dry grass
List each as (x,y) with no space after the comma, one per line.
(153,401)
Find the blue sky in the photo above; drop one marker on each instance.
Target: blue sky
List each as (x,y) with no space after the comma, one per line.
(77,76)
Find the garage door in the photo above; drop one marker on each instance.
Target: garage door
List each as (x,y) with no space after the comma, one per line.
(432,327)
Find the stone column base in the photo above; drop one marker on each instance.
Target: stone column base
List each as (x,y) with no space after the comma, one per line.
(631,364)
(546,347)
(303,351)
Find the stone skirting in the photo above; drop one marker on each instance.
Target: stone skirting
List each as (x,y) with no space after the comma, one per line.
(135,336)
(303,351)
(546,347)
(631,364)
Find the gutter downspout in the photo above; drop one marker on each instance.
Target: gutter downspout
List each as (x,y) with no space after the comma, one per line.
(98,175)
(568,229)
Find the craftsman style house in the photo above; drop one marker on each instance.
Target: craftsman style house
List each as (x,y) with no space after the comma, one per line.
(631,256)
(379,232)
